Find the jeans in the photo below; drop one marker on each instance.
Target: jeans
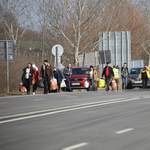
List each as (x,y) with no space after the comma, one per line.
(92,82)
(145,84)
(107,79)
(34,87)
(68,83)
(28,85)
(46,84)
(124,81)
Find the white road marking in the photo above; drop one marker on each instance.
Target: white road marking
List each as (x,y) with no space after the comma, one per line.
(3,103)
(40,99)
(69,109)
(75,146)
(125,130)
(72,97)
(55,109)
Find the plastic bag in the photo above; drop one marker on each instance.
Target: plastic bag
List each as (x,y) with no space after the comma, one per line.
(53,84)
(101,82)
(40,84)
(22,88)
(113,84)
(86,84)
(63,84)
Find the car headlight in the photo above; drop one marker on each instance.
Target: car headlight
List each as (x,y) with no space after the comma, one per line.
(85,78)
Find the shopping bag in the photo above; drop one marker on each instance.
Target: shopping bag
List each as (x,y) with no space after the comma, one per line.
(113,84)
(53,84)
(63,84)
(33,81)
(21,88)
(40,84)
(101,82)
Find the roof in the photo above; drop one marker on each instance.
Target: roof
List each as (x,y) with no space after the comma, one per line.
(80,67)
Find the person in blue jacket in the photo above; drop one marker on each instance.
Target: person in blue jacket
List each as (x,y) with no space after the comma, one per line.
(58,75)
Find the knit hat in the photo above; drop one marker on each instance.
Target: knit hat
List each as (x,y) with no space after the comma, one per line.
(34,67)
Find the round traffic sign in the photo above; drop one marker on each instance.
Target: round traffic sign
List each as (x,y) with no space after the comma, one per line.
(59,48)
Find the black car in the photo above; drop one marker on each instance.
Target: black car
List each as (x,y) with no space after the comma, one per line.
(133,78)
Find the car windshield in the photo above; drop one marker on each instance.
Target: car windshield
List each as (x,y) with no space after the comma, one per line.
(79,71)
(135,71)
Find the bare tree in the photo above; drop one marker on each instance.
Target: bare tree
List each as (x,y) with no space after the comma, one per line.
(77,17)
(15,18)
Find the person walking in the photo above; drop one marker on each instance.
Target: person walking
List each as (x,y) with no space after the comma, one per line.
(144,75)
(124,74)
(67,73)
(92,75)
(28,73)
(46,73)
(116,75)
(108,73)
(36,78)
(58,75)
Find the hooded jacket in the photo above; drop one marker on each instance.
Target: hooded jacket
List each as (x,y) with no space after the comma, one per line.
(94,75)
(147,72)
(49,71)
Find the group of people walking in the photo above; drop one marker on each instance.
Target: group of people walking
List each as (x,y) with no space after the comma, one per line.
(113,74)
(31,76)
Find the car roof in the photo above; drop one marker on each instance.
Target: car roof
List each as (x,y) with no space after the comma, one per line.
(80,67)
(138,68)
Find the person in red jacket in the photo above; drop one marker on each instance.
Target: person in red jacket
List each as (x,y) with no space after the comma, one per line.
(36,79)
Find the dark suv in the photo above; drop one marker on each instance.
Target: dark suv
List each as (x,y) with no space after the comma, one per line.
(133,77)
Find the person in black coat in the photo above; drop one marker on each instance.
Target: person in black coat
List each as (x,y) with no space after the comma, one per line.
(108,73)
(58,75)
(28,73)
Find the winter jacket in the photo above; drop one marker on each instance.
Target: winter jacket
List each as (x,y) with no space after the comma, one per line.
(124,73)
(49,71)
(36,76)
(66,70)
(30,76)
(111,73)
(147,72)
(58,75)
(94,75)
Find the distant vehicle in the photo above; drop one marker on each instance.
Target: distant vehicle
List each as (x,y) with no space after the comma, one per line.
(78,78)
(133,78)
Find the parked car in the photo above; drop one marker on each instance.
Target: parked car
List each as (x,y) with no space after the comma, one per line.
(78,78)
(133,78)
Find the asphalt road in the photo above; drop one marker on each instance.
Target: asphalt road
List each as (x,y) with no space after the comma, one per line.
(76,121)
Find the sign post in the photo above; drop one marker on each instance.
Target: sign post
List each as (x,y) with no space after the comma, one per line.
(57,51)
(7,67)
(7,54)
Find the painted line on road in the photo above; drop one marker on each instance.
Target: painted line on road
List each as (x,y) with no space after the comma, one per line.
(55,109)
(67,110)
(3,103)
(40,99)
(75,146)
(125,130)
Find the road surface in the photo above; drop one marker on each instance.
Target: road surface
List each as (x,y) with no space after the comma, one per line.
(76,121)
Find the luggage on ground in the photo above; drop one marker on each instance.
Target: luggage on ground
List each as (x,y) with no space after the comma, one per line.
(101,82)
(53,84)
(21,88)
(129,85)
